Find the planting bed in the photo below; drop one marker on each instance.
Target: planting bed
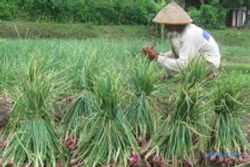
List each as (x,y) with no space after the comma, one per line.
(99,103)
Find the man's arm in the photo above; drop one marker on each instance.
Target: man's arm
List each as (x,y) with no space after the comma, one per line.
(187,52)
(167,54)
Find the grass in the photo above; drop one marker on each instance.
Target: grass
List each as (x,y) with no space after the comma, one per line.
(34,30)
(232,37)
(30,30)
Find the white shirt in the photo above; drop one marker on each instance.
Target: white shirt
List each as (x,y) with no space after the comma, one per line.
(192,42)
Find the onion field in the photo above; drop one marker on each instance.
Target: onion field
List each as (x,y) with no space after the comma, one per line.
(99,103)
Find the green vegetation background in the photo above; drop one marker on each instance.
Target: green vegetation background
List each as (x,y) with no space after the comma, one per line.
(111,11)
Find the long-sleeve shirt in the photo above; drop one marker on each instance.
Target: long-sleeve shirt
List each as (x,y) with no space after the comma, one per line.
(192,42)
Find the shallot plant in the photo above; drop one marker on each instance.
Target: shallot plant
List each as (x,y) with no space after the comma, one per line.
(147,91)
(32,134)
(106,137)
(181,133)
(227,136)
(85,102)
(197,71)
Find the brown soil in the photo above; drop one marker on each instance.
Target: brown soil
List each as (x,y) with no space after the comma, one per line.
(6,105)
(246,126)
(61,106)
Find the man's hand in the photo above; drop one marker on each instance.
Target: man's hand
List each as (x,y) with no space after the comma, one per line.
(150,52)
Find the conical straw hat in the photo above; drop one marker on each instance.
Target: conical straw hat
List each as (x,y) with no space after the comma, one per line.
(172,14)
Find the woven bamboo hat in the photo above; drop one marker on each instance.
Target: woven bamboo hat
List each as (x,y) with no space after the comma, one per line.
(172,14)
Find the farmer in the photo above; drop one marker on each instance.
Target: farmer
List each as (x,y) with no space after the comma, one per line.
(188,41)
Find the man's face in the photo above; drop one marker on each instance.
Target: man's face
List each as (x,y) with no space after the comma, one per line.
(171,28)
(173,31)
(175,28)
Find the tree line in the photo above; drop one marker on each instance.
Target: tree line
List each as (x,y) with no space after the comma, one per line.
(95,11)
(108,11)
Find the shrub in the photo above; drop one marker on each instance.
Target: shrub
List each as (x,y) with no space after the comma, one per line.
(98,11)
(7,8)
(211,15)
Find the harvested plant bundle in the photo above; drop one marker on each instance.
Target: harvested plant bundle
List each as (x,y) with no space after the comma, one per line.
(144,76)
(91,69)
(34,143)
(84,105)
(228,142)
(144,81)
(175,138)
(106,136)
(179,136)
(85,102)
(83,72)
(32,137)
(197,71)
